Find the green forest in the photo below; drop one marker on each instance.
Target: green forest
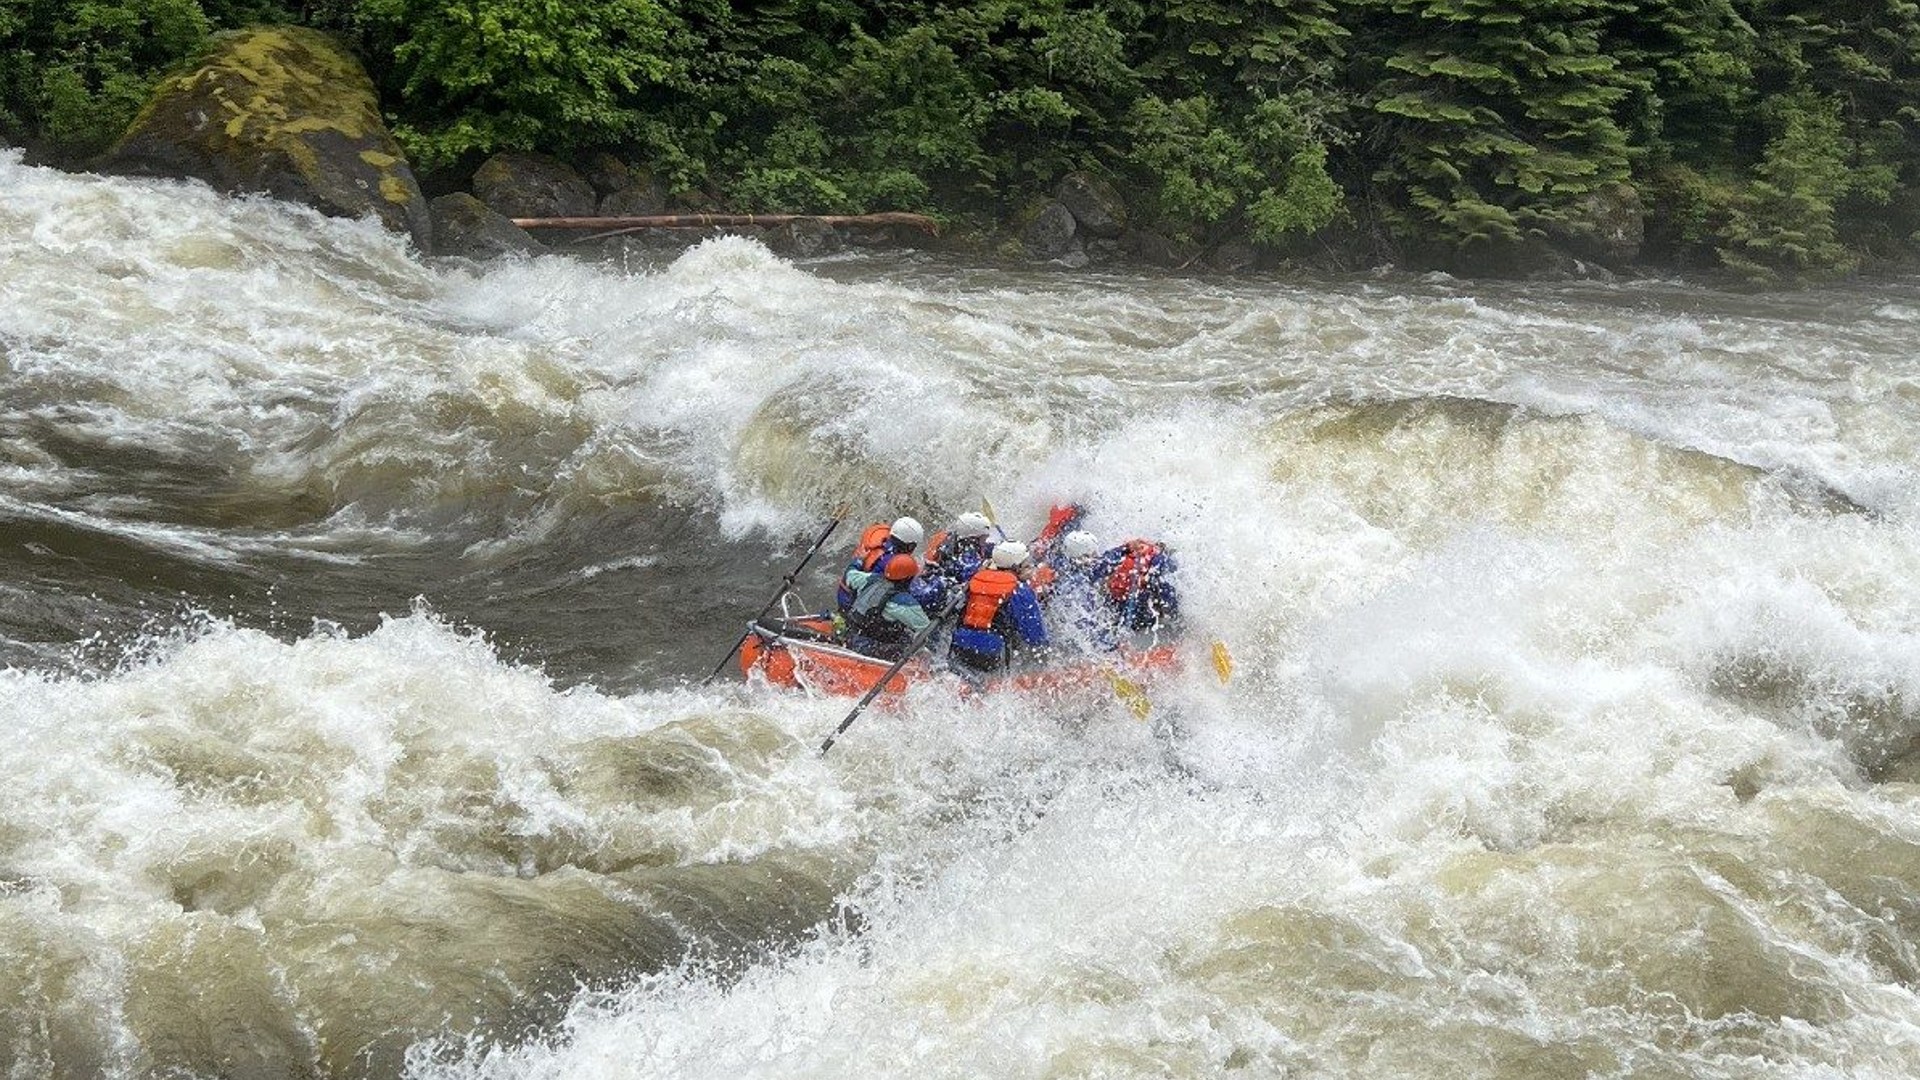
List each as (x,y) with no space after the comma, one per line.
(1773,139)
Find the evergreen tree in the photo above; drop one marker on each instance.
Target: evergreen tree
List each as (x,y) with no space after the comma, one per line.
(1861,58)
(1246,107)
(474,76)
(1777,138)
(1783,225)
(1498,120)
(1689,67)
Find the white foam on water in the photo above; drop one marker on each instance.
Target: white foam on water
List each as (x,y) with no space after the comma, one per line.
(1568,733)
(326,358)
(1486,793)
(1542,836)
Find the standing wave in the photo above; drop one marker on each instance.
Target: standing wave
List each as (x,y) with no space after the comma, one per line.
(1570,729)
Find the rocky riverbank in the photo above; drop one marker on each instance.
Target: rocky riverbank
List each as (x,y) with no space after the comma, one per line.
(291,113)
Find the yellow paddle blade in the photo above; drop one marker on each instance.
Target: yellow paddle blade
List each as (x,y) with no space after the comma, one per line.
(1222,662)
(987,509)
(1130,693)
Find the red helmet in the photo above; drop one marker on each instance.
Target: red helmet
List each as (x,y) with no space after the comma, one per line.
(902,568)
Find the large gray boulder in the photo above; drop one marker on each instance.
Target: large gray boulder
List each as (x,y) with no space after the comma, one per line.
(1094,204)
(1050,233)
(282,111)
(636,201)
(805,238)
(519,185)
(606,173)
(462,225)
(1159,250)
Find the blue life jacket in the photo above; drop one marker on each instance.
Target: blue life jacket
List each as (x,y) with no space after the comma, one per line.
(1078,603)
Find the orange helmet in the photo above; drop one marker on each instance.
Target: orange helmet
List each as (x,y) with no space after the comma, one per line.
(902,568)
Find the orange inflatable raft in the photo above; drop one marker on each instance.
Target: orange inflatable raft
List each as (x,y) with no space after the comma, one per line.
(801,653)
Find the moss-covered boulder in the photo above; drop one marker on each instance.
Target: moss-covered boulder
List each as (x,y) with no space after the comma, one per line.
(282,111)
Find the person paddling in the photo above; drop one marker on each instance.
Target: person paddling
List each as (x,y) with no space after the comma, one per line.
(884,615)
(954,555)
(1076,600)
(879,542)
(998,612)
(1137,578)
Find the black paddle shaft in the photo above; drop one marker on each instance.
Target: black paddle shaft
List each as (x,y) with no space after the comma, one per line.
(785,584)
(919,642)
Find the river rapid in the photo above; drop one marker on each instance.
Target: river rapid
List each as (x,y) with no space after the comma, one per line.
(353,612)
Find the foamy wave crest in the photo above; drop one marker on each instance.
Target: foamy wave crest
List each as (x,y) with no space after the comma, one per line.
(341,845)
(1334,923)
(1481,791)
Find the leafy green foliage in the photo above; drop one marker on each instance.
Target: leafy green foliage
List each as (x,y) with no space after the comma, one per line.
(1200,170)
(1499,119)
(974,102)
(1199,165)
(1779,139)
(73,75)
(485,75)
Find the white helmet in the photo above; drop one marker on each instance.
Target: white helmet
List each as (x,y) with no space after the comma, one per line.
(907,530)
(971,525)
(1008,554)
(1079,544)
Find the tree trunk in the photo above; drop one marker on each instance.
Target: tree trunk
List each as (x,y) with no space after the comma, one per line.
(615,226)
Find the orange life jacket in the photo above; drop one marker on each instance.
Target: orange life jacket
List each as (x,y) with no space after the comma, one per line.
(1042,579)
(1130,575)
(986,591)
(867,551)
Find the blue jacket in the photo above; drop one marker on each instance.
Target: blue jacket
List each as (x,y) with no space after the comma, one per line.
(952,564)
(1151,600)
(1019,616)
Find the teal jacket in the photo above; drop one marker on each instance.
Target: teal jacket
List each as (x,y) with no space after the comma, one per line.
(901,607)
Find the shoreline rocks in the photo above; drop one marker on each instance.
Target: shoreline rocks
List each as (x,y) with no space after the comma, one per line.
(519,185)
(280,111)
(289,112)
(465,226)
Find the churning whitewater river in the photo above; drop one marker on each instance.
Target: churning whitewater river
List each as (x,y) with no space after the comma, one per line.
(354,607)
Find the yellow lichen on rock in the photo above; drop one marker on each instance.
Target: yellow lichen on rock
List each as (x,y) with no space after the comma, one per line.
(282,110)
